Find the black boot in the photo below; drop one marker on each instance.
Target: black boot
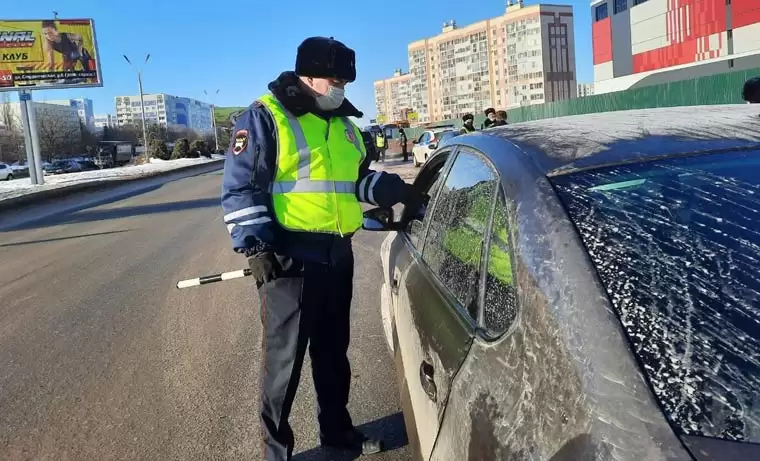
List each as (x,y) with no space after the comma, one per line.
(355,441)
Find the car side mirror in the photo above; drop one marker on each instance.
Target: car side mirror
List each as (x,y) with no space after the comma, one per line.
(378,219)
(432,145)
(414,141)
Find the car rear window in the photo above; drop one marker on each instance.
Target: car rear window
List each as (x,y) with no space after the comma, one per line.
(676,244)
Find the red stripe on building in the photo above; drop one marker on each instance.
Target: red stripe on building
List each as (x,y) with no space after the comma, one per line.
(73,22)
(684,28)
(744,12)
(601,37)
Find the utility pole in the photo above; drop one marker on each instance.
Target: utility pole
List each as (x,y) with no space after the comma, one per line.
(142,103)
(213,120)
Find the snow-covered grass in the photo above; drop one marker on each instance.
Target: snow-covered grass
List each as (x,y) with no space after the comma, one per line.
(19,187)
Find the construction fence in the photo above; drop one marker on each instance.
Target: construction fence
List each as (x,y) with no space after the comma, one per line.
(723,88)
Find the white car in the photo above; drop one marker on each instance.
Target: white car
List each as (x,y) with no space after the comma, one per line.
(6,173)
(428,142)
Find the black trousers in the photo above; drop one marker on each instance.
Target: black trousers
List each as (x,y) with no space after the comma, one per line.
(307,305)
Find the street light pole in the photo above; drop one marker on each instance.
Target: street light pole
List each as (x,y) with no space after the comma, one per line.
(213,121)
(142,104)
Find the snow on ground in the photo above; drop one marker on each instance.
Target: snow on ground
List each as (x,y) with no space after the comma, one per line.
(19,187)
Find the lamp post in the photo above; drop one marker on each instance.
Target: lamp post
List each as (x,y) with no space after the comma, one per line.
(142,103)
(213,120)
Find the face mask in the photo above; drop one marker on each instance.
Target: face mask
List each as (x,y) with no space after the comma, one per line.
(332,100)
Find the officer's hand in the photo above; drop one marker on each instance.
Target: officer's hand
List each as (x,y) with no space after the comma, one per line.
(414,201)
(263,266)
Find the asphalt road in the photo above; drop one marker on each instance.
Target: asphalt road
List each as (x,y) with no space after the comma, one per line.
(101,358)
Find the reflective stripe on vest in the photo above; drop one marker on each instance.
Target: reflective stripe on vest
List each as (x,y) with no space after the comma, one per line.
(314,185)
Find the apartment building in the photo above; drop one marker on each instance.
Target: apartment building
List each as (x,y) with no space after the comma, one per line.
(667,40)
(165,110)
(83,106)
(585,89)
(393,98)
(101,121)
(526,56)
(57,125)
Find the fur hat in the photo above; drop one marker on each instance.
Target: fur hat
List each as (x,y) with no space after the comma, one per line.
(323,57)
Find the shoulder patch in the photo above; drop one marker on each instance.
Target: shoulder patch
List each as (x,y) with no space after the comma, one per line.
(240,142)
(350,135)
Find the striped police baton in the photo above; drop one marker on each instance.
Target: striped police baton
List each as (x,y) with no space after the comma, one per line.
(213,278)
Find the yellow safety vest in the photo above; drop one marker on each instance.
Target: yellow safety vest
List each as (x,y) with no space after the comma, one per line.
(380,141)
(317,169)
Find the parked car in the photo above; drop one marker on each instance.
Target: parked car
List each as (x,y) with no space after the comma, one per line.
(62,166)
(88,165)
(582,288)
(6,173)
(428,142)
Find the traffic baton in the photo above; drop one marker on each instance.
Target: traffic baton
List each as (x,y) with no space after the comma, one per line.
(213,278)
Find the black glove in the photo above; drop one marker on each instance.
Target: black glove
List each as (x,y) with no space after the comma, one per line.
(263,266)
(414,202)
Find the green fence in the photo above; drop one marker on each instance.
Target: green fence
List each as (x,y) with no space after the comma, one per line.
(723,88)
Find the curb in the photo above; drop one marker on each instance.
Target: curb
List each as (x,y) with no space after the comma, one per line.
(65,191)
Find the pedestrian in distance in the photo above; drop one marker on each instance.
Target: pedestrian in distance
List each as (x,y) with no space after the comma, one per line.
(403,141)
(467,127)
(490,118)
(501,118)
(751,91)
(293,219)
(380,142)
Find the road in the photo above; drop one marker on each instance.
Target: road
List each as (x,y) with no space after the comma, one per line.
(101,358)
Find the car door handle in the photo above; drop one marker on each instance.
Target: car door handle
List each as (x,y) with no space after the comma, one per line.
(428,381)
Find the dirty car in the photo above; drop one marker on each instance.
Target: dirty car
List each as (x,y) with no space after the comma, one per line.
(582,288)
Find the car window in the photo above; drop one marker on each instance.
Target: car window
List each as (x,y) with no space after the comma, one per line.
(416,228)
(676,244)
(454,241)
(422,138)
(2,167)
(500,307)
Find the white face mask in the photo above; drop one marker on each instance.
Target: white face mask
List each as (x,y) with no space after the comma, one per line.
(332,100)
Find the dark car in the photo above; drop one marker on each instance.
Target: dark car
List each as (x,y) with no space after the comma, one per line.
(62,166)
(582,288)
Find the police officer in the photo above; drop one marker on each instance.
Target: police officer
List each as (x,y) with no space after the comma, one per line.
(294,178)
(380,143)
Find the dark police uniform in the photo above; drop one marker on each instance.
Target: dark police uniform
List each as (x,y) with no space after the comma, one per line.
(304,277)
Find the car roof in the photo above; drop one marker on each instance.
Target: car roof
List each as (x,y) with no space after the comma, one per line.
(565,144)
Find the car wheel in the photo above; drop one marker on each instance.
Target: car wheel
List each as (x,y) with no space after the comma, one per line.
(414,161)
(9,177)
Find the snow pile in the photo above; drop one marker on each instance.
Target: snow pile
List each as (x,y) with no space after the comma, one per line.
(19,187)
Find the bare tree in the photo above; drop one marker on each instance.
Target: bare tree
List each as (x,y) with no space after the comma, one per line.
(7,117)
(11,139)
(58,135)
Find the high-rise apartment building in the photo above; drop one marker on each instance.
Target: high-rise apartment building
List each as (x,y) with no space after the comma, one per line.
(101,121)
(165,110)
(392,98)
(667,40)
(585,89)
(83,107)
(526,56)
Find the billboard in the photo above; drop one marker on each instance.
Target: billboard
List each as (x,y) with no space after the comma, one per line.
(47,54)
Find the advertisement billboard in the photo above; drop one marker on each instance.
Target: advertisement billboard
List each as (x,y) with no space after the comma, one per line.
(47,54)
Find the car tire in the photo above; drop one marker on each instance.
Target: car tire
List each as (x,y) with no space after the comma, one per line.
(9,177)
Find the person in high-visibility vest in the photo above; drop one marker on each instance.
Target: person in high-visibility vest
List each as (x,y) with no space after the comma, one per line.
(294,177)
(380,144)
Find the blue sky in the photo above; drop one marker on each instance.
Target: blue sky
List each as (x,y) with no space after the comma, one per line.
(239,47)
